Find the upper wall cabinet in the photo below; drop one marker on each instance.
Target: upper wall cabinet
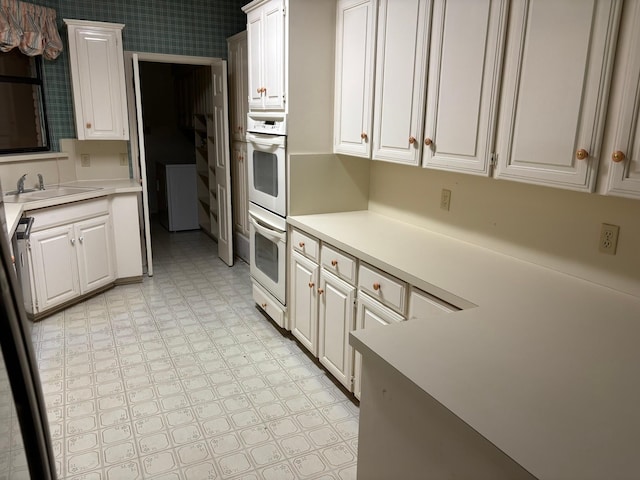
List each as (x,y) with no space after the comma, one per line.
(97,73)
(555,89)
(266,51)
(467,39)
(355,35)
(401,72)
(624,171)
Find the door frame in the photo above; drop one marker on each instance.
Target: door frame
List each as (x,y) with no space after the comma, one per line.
(137,169)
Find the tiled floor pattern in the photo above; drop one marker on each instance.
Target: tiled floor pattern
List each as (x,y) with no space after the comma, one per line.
(181,377)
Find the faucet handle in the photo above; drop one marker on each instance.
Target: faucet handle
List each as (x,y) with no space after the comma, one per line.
(40,182)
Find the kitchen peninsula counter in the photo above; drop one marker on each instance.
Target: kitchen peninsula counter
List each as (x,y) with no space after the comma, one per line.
(541,364)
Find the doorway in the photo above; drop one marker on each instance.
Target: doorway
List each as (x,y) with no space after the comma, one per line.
(178,109)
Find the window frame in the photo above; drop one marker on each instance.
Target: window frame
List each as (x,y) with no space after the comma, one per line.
(38,80)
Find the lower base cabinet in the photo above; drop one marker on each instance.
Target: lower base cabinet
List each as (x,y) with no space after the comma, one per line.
(335,321)
(69,253)
(304,301)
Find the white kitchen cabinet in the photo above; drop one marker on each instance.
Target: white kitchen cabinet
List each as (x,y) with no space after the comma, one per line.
(558,62)
(370,314)
(467,39)
(53,268)
(401,73)
(94,248)
(624,170)
(266,54)
(355,37)
(238,85)
(423,305)
(97,74)
(70,260)
(335,321)
(303,306)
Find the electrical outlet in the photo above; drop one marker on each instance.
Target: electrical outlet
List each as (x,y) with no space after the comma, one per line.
(124,159)
(445,199)
(85,160)
(608,238)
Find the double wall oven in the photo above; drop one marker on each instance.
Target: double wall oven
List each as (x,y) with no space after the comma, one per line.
(266,151)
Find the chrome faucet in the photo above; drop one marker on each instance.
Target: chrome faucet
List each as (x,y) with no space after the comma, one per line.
(40,182)
(21,180)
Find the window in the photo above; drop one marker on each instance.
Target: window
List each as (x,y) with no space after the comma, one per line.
(23,120)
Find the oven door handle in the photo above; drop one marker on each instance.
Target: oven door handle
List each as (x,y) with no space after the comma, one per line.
(266,141)
(271,234)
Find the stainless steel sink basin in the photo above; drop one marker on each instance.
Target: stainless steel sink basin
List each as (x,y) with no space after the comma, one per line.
(50,192)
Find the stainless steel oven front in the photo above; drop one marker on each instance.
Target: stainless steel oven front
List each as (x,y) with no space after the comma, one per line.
(268,251)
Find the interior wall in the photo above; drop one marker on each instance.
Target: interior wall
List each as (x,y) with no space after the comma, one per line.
(556,228)
(171,26)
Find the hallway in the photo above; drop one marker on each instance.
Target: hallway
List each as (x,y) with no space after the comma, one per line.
(181,377)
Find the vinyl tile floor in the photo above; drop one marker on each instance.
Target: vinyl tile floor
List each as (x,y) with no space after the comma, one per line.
(181,377)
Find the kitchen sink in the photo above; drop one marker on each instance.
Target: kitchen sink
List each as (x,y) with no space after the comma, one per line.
(49,192)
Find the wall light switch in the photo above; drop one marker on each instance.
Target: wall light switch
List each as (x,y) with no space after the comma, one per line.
(85,160)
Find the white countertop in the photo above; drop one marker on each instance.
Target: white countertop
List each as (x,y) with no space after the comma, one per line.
(100,188)
(546,367)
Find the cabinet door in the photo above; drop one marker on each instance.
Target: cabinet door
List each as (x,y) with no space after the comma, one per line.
(624,171)
(370,314)
(97,67)
(273,51)
(401,69)
(335,321)
(355,30)
(255,26)
(304,301)
(556,81)
(239,188)
(95,253)
(54,266)
(467,38)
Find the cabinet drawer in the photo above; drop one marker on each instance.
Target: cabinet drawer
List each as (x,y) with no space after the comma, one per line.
(305,244)
(270,306)
(383,287)
(423,305)
(339,263)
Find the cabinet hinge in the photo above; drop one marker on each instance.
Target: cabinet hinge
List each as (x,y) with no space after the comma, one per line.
(352,380)
(284,11)
(37,306)
(493,159)
(29,245)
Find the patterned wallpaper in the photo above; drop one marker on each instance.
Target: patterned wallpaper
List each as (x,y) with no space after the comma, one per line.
(181,27)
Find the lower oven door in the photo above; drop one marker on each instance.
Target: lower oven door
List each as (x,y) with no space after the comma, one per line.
(268,257)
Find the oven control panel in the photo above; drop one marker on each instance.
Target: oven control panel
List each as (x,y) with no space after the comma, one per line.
(270,123)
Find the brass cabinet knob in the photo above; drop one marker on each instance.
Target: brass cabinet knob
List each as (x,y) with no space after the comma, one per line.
(428,141)
(363,136)
(301,244)
(259,90)
(618,156)
(582,154)
(264,306)
(88,124)
(334,262)
(376,286)
(320,291)
(311,284)
(412,140)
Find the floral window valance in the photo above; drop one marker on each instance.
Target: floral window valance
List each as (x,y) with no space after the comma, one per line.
(29,27)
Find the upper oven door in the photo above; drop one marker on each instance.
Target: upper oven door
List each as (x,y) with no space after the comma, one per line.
(267,165)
